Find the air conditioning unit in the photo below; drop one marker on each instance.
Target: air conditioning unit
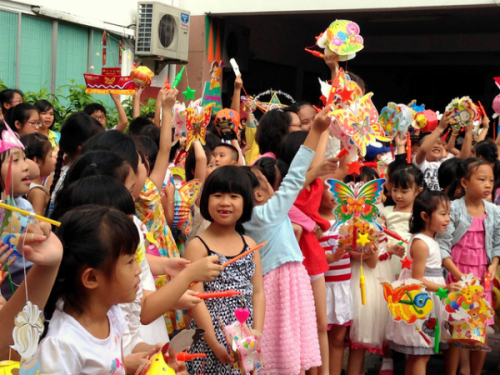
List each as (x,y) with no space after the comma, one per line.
(162,32)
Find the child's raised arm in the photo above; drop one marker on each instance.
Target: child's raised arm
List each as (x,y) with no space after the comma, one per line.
(431,139)
(122,116)
(484,130)
(200,171)
(235,103)
(258,298)
(137,102)
(167,98)
(467,145)
(195,251)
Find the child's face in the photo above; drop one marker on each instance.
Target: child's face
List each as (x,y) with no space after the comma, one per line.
(265,191)
(210,165)
(20,178)
(307,114)
(404,197)
(327,200)
(225,208)
(480,185)
(124,284)
(100,116)
(16,99)
(222,156)
(295,125)
(47,165)
(47,117)
(414,150)
(440,218)
(30,126)
(436,152)
(141,176)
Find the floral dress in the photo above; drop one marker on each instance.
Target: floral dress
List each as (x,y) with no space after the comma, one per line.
(149,199)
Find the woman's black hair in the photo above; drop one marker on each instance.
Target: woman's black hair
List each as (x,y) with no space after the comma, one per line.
(465,169)
(488,151)
(427,201)
(273,169)
(190,164)
(367,174)
(36,145)
(137,124)
(92,237)
(76,130)
(94,107)
(150,150)
(229,179)
(44,106)
(21,112)
(406,178)
(94,163)
(100,190)
(153,132)
(6,96)
(291,144)
(447,173)
(273,127)
(117,142)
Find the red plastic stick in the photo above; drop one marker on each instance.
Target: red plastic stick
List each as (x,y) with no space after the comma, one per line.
(408,148)
(394,235)
(342,153)
(315,53)
(482,108)
(226,293)
(183,357)
(317,109)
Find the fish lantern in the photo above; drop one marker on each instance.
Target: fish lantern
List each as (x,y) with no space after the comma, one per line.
(142,76)
(9,367)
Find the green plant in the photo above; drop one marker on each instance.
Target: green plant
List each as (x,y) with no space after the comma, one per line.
(145,108)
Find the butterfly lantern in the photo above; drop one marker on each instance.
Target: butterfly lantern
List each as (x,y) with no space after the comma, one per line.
(462,112)
(342,91)
(356,214)
(184,199)
(470,312)
(197,120)
(395,118)
(359,121)
(244,343)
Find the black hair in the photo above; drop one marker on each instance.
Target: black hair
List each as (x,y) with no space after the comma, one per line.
(465,169)
(367,174)
(427,201)
(488,151)
(273,127)
(150,115)
(137,124)
(190,164)
(101,190)
(76,130)
(21,112)
(44,106)
(254,181)
(235,154)
(153,132)
(150,150)
(6,97)
(406,178)
(99,162)
(92,237)
(212,140)
(117,142)
(291,145)
(36,145)
(94,107)
(273,169)
(447,173)
(229,179)
(297,106)
(393,166)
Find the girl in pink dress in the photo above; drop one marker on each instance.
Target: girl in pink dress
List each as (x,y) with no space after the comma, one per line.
(471,243)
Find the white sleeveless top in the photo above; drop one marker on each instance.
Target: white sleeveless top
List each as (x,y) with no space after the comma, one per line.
(434,258)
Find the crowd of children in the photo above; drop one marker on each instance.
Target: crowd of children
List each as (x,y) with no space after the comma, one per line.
(119,277)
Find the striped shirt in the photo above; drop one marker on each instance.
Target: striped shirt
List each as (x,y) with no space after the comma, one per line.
(337,271)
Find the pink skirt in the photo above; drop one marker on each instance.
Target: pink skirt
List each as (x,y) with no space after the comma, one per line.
(290,338)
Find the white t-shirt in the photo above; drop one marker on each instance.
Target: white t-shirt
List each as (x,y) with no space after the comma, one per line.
(430,171)
(71,349)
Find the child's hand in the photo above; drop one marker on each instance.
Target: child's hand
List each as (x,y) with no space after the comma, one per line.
(238,82)
(3,259)
(3,302)
(444,122)
(138,91)
(398,250)
(492,270)
(178,367)
(115,97)
(486,122)
(372,250)
(333,62)
(40,246)
(400,140)
(454,287)
(168,97)
(327,166)
(322,120)
(205,269)
(221,353)
(133,361)
(175,265)
(187,301)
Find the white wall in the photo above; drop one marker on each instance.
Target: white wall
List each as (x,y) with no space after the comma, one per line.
(123,12)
